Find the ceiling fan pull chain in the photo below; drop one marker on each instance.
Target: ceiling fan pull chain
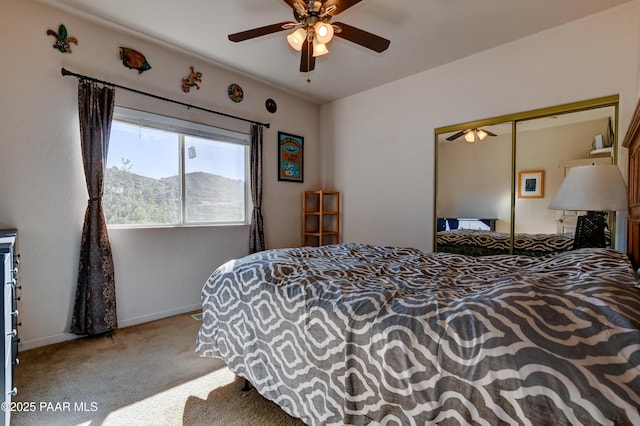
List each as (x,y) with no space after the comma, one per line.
(308,62)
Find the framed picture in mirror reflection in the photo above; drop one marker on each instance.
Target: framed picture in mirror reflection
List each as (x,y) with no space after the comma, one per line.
(531,184)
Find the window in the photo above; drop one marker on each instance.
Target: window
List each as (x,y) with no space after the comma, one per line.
(164,171)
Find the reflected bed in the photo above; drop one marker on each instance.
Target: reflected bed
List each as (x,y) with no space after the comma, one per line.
(484,243)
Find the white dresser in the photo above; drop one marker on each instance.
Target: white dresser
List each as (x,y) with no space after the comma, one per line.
(9,319)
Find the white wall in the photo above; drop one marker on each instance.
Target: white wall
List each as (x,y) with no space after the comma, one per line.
(563,143)
(42,189)
(379,144)
(474,180)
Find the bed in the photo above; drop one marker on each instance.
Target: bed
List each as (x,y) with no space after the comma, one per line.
(359,334)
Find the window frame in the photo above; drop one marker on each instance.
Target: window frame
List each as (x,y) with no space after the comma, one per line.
(187,128)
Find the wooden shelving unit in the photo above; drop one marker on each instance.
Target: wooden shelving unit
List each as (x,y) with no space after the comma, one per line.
(320,218)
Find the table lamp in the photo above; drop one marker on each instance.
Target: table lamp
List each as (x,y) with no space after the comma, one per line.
(596,190)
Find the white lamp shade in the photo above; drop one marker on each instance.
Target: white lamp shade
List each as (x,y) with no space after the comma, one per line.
(319,49)
(297,38)
(324,32)
(592,188)
(470,136)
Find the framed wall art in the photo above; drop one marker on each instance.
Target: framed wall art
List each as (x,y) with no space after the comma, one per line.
(290,156)
(531,184)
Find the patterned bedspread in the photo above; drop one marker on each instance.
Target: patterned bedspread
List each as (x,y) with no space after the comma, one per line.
(355,334)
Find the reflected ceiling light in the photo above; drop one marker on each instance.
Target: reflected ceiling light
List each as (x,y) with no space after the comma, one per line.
(297,38)
(470,136)
(474,135)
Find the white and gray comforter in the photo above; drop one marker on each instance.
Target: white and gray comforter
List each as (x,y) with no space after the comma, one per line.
(358,334)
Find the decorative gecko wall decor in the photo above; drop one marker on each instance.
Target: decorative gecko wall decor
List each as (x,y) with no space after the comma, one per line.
(192,80)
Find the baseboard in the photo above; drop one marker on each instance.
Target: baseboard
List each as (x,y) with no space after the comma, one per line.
(158,315)
(58,338)
(45,341)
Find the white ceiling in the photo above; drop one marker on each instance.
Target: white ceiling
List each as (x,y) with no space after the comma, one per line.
(424,34)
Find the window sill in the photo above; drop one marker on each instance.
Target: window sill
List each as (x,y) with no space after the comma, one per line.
(177,226)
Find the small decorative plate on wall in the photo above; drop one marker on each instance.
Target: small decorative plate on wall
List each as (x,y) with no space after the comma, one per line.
(235,92)
(271,105)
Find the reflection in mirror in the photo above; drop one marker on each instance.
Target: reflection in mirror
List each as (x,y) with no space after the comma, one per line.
(493,195)
(553,145)
(474,188)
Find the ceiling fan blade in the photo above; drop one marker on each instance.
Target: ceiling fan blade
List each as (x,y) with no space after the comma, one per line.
(257,32)
(489,133)
(457,135)
(291,3)
(307,60)
(362,37)
(341,4)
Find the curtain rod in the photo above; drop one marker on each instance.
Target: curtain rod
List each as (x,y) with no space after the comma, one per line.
(66,72)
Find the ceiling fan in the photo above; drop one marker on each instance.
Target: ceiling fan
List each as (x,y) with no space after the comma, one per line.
(471,135)
(313,30)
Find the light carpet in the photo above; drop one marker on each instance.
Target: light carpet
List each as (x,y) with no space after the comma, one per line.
(148,374)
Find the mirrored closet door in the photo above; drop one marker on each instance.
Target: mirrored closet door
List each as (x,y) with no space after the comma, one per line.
(500,174)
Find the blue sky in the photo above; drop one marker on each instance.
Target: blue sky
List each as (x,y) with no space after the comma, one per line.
(154,153)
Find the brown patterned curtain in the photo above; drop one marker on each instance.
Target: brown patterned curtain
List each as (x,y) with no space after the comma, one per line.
(95,306)
(256,231)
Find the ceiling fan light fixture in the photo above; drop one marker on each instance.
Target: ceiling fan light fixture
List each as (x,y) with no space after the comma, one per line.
(470,136)
(297,38)
(312,29)
(319,48)
(323,31)
(481,134)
